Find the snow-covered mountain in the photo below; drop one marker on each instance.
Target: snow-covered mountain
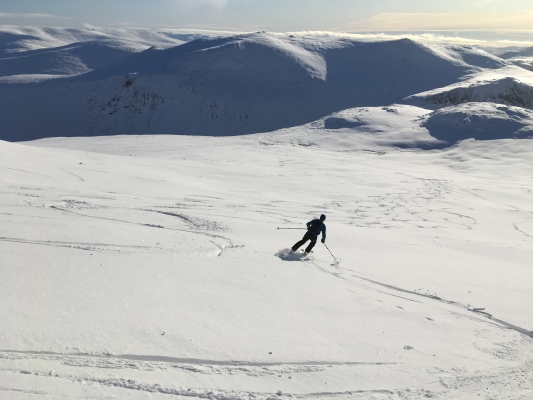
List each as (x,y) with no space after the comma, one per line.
(72,59)
(522,58)
(16,39)
(233,85)
(514,54)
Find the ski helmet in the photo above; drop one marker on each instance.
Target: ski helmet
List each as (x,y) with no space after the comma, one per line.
(322,217)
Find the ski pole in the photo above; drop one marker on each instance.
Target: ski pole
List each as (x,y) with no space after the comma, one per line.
(291,228)
(336,261)
(330,252)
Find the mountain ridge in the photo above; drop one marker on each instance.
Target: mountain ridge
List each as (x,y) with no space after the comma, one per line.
(236,85)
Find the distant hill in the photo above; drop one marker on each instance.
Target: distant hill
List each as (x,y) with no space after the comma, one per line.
(513,54)
(480,121)
(511,86)
(72,59)
(15,39)
(231,86)
(522,58)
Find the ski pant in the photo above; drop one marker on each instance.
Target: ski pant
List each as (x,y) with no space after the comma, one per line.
(307,236)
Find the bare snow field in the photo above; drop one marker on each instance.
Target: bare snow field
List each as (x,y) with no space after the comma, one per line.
(137,267)
(135,264)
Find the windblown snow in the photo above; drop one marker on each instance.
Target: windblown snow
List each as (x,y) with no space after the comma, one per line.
(145,236)
(522,58)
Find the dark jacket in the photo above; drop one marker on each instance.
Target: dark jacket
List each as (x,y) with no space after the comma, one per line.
(315,227)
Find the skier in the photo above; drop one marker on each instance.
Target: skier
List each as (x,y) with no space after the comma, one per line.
(314,228)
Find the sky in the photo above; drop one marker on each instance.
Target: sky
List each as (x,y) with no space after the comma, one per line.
(503,19)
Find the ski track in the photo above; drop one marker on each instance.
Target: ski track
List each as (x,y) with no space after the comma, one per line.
(77,176)
(198,226)
(516,227)
(431,190)
(489,385)
(497,321)
(230,243)
(188,361)
(457,382)
(78,245)
(193,366)
(33,173)
(212,394)
(195,222)
(50,395)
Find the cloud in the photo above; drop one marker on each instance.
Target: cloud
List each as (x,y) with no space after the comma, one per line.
(203,3)
(449,21)
(421,37)
(90,27)
(25,15)
(219,3)
(430,38)
(211,3)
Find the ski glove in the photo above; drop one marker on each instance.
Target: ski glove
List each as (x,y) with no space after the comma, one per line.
(323,240)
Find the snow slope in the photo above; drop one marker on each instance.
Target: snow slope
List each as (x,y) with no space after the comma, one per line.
(235,85)
(144,267)
(511,86)
(379,129)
